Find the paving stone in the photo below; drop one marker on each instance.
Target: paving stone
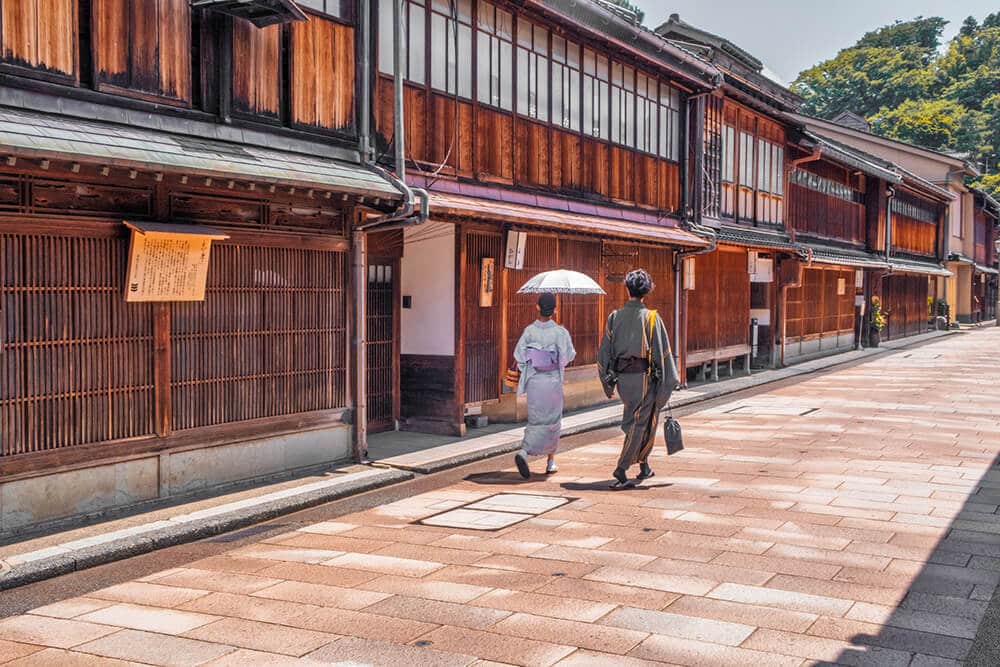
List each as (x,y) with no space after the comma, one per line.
(259,636)
(219,582)
(157,649)
(837,589)
(695,654)
(584,658)
(497,647)
(53,632)
(12,650)
(153,595)
(57,657)
(680,625)
(775,564)
(709,571)
(321,595)
(71,608)
(490,577)
(769,597)
(598,591)
(572,609)
(953,626)
(828,650)
(318,574)
(365,625)
(433,553)
(572,633)
(248,658)
(440,613)
(444,591)
(747,614)
(151,619)
(663,582)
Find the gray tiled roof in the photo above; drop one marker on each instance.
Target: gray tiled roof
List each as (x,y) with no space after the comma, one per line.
(845,256)
(755,238)
(43,135)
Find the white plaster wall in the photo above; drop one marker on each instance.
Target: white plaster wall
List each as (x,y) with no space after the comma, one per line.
(427,275)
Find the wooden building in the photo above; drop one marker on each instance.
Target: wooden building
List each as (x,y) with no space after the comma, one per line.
(550,133)
(986,234)
(153,114)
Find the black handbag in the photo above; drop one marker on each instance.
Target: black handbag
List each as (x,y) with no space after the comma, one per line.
(672,433)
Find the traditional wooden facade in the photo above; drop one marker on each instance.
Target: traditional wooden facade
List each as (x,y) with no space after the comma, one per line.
(170,114)
(986,234)
(530,123)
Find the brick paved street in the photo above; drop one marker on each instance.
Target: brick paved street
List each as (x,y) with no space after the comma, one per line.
(849,518)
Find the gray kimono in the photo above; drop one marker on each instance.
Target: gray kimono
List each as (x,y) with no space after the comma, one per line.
(544,387)
(627,343)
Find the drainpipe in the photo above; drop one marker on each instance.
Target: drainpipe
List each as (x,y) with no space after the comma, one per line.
(890,193)
(364,124)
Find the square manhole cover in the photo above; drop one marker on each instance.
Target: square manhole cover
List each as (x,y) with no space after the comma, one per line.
(771,410)
(495,512)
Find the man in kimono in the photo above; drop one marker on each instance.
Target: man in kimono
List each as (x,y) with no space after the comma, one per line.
(542,354)
(635,356)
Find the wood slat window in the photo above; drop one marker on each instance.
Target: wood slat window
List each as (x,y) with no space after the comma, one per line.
(541,254)
(41,37)
(257,65)
(623,105)
(914,225)
(904,299)
(713,138)
(322,77)
(482,323)
(142,48)
(752,153)
(596,95)
(581,313)
(270,338)
(76,361)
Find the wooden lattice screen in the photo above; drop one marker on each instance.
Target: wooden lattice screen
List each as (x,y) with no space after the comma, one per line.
(268,340)
(482,324)
(75,360)
(581,313)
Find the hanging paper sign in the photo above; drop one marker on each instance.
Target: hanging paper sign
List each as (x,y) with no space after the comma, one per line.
(689,273)
(517,244)
(168,262)
(487,278)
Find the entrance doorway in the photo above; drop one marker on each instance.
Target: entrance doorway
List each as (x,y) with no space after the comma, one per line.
(382,344)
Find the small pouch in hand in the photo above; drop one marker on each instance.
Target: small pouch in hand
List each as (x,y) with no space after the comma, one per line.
(672,434)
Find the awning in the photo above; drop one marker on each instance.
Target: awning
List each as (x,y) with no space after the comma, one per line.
(753,238)
(545,218)
(845,257)
(913,266)
(986,269)
(40,135)
(960,258)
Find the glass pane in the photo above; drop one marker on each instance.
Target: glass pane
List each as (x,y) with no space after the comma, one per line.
(589,62)
(602,68)
(542,98)
(440,46)
(486,17)
(464,56)
(603,91)
(558,49)
(541,41)
(523,33)
(483,67)
(385,37)
(506,78)
(573,55)
(417,51)
(589,126)
(505,24)
(523,84)
(574,102)
(464,11)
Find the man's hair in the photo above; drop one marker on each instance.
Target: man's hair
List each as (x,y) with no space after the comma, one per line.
(547,304)
(639,283)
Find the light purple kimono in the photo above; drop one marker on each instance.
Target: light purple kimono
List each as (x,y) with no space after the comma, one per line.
(542,354)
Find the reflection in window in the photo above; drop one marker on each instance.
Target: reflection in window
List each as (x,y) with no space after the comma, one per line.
(451,64)
(565,83)
(596,89)
(532,71)
(623,105)
(495,56)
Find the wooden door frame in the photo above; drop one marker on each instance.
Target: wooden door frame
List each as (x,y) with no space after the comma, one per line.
(394,263)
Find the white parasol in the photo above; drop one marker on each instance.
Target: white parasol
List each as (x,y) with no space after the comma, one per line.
(561,281)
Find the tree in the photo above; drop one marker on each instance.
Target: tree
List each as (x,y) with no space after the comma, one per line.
(921,32)
(639,14)
(943,125)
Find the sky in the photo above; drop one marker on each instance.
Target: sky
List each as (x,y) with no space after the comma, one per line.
(793,35)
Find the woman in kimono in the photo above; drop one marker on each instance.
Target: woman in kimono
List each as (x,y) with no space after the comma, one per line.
(542,354)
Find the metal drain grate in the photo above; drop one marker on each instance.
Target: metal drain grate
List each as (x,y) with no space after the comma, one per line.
(496,512)
(770,411)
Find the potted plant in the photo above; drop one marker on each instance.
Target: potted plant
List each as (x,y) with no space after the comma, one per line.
(877,323)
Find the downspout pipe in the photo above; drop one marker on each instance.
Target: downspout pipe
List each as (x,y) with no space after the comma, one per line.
(890,193)
(364,124)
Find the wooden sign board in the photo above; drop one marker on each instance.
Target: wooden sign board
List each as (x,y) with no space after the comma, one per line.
(487,282)
(689,273)
(168,262)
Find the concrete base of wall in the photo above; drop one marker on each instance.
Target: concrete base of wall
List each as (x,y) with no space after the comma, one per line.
(102,489)
(801,350)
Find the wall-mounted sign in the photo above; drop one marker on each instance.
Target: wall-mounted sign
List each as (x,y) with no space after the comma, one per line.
(487,282)
(517,245)
(859,279)
(689,277)
(168,262)
(841,286)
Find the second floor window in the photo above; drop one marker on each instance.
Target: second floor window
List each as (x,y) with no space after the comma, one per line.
(647,113)
(596,89)
(532,71)
(338,8)
(451,46)
(565,84)
(495,53)
(670,111)
(623,105)
(414,31)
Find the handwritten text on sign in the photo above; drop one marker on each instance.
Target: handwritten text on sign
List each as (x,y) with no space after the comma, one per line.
(167,266)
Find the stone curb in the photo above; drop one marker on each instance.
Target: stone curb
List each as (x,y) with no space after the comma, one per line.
(189,530)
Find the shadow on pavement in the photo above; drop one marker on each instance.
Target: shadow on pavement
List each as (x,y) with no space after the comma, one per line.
(958,584)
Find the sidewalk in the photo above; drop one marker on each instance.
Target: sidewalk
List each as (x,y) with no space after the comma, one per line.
(84,547)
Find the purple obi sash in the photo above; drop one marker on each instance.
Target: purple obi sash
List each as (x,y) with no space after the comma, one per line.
(543,360)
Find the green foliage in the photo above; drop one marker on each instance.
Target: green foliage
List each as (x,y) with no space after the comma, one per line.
(911,89)
(641,15)
(990,183)
(878,317)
